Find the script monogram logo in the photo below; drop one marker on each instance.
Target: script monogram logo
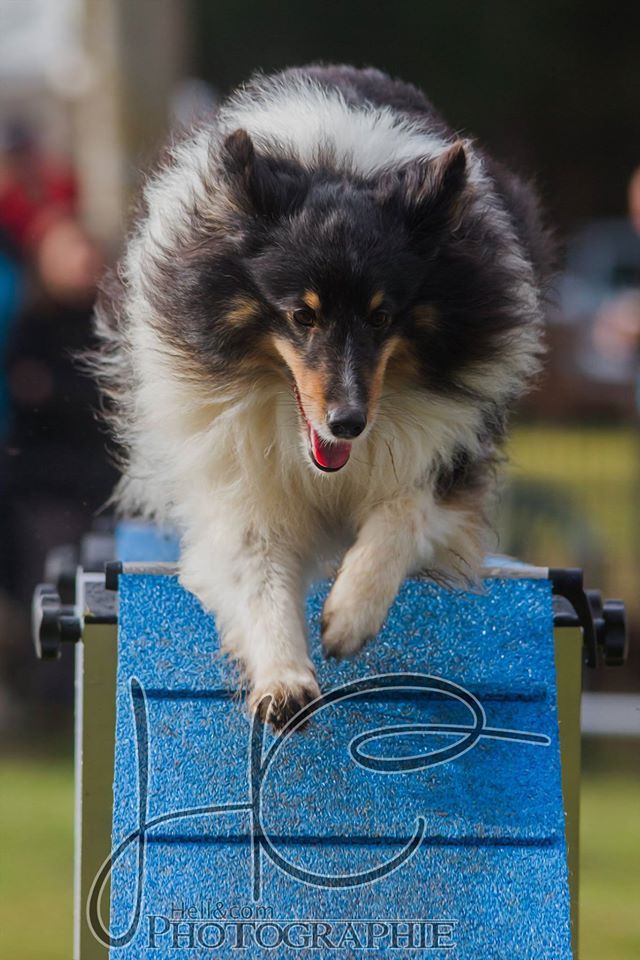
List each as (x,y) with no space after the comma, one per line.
(466,737)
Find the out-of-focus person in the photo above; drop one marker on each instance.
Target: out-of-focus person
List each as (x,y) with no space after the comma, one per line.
(11,276)
(35,188)
(616,330)
(54,473)
(598,320)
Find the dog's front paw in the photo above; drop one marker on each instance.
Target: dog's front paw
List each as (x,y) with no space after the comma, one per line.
(278,700)
(349,620)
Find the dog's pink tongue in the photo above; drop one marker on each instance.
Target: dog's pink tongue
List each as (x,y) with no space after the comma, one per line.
(330,456)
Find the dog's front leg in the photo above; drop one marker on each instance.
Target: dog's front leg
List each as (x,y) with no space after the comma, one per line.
(397,538)
(252,582)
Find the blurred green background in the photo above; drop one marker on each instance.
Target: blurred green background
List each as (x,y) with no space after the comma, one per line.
(550,87)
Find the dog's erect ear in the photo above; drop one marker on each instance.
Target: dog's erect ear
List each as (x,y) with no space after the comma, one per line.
(439,179)
(427,188)
(238,153)
(271,186)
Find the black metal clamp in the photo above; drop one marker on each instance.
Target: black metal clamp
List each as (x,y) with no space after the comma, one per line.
(603,623)
(53,622)
(59,606)
(58,618)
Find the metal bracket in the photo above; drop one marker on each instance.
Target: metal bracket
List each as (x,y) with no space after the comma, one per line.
(603,623)
(59,614)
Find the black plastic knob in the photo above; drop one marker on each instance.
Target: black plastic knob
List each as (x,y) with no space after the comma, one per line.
(52,623)
(616,642)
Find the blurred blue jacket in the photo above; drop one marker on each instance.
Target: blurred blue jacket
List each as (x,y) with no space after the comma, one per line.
(10,300)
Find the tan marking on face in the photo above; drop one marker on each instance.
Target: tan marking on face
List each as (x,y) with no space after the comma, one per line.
(402,366)
(242,310)
(425,315)
(312,300)
(311,384)
(376,300)
(390,348)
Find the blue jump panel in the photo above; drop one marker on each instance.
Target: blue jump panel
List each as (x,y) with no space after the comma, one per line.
(419,813)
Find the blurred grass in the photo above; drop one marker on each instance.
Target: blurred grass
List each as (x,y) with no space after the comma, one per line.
(610,849)
(610,868)
(574,502)
(36,818)
(36,858)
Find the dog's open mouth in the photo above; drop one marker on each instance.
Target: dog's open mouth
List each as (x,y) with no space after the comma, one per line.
(327,455)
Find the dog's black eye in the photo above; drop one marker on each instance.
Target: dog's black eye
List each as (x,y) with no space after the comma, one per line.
(304,316)
(379,318)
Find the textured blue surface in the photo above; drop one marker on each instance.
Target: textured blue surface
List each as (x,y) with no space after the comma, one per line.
(491,855)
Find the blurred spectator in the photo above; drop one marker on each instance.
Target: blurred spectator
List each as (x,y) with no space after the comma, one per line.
(617,325)
(600,305)
(34,188)
(54,475)
(10,292)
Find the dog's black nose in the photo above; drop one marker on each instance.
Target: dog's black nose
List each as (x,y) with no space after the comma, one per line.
(346,422)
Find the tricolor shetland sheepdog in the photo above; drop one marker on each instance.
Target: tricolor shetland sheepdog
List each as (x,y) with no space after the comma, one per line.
(326,309)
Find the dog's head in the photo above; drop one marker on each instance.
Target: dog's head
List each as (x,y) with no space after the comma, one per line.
(338,265)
